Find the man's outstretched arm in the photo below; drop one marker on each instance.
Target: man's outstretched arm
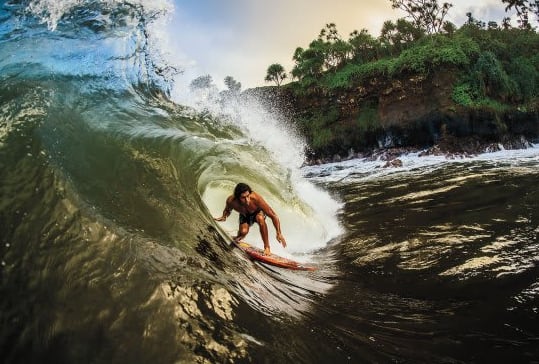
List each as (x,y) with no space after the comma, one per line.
(274,219)
(226,211)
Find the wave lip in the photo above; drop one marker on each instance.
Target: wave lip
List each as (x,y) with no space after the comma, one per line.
(119,42)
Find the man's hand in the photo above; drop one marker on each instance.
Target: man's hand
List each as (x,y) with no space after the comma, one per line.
(281,240)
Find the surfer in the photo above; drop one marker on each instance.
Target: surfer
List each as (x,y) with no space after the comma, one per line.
(252,208)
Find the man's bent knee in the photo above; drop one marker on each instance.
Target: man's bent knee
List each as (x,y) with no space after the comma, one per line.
(261,219)
(243,229)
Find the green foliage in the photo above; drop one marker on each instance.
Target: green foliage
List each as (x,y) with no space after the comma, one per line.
(317,128)
(333,49)
(275,74)
(340,79)
(358,73)
(463,94)
(490,75)
(422,58)
(526,77)
(496,68)
(368,119)
(491,104)
(364,46)
(494,64)
(467,45)
(327,53)
(414,60)
(486,39)
(467,95)
(522,42)
(534,60)
(426,15)
(485,80)
(309,62)
(438,51)
(400,35)
(449,28)
(322,138)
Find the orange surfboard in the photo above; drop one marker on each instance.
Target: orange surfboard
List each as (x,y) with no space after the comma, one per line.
(275,260)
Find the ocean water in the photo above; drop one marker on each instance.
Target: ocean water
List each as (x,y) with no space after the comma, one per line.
(110,179)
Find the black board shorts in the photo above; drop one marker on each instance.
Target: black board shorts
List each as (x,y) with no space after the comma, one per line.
(249,218)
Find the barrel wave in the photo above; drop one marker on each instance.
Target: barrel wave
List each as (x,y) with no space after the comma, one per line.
(108,245)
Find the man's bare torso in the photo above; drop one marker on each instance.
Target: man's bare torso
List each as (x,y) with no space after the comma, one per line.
(251,208)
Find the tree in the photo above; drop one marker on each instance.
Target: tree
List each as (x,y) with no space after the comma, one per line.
(400,34)
(335,51)
(492,25)
(525,76)
(523,8)
(275,73)
(309,62)
(364,46)
(474,22)
(233,86)
(427,15)
(506,23)
(490,75)
(449,28)
(201,82)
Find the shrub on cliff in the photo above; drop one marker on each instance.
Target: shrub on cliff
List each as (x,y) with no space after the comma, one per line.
(427,56)
(353,74)
(435,52)
(317,128)
(490,76)
(526,77)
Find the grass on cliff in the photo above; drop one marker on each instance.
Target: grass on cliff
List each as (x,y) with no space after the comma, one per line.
(425,57)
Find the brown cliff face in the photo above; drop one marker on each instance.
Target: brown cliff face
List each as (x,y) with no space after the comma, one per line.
(404,101)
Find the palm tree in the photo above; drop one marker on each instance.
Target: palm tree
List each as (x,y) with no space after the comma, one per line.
(275,73)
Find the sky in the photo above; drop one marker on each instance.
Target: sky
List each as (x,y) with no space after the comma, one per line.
(241,38)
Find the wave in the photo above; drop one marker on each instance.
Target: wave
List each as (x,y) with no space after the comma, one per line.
(104,96)
(109,184)
(110,187)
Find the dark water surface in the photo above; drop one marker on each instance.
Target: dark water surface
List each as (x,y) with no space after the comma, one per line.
(439,265)
(109,252)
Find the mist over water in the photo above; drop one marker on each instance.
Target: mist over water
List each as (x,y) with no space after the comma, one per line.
(110,179)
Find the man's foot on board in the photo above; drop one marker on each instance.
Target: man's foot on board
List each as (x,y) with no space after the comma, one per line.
(267,251)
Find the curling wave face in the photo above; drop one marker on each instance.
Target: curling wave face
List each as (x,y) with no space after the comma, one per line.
(109,190)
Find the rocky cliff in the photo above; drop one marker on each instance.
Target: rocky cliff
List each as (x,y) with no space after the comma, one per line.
(408,112)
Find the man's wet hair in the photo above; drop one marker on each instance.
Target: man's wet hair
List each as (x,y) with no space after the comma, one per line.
(241,188)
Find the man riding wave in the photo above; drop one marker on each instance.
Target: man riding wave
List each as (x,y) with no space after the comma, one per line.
(252,208)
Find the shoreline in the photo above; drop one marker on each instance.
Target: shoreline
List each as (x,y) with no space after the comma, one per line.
(449,147)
